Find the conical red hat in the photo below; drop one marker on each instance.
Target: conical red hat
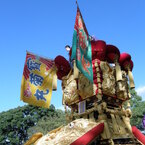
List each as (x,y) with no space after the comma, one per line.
(124,57)
(125,61)
(112,53)
(128,64)
(98,49)
(63,66)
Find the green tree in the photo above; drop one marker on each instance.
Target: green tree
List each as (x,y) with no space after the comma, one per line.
(138,109)
(48,123)
(15,123)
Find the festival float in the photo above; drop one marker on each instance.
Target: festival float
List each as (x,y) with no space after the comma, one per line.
(95,83)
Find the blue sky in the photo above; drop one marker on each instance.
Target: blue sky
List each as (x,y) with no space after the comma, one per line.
(45,27)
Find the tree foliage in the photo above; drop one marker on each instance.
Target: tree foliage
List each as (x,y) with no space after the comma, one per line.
(48,123)
(138,109)
(17,125)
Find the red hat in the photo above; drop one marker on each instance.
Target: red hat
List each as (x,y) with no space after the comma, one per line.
(63,66)
(125,61)
(98,49)
(128,64)
(124,57)
(112,54)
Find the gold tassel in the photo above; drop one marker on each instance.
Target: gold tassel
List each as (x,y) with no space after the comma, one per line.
(99,86)
(114,124)
(126,120)
(54,84)
(91,116)
(98,80)
(131,80)
(106,129)
(99,96)
(118,72)
(76,71)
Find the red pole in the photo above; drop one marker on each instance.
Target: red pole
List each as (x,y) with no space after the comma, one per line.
(89,136)
(136,132)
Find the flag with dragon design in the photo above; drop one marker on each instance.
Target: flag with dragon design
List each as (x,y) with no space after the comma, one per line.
(81,47)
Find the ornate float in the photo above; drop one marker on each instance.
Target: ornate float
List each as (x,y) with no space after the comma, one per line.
(98,112)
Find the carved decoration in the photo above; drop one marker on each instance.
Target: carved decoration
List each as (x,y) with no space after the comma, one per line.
(122,87)
(85,87)
(69,87)
(67,134)
(108,83)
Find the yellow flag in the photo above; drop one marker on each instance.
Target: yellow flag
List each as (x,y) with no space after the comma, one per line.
(37,79)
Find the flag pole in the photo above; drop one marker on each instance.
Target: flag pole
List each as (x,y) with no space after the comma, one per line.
(78,9)
(77,4)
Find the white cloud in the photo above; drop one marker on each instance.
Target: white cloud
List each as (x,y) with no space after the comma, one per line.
(141,91)
(61,108)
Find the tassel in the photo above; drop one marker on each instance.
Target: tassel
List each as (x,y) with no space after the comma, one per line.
(114,124)
(118,72)
(126,120)
(131,80)
(106,129)
(91,116)
(76,71)
(54,85)
(99,96)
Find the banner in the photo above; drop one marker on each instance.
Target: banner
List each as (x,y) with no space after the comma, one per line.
(81,47)
(36,86)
